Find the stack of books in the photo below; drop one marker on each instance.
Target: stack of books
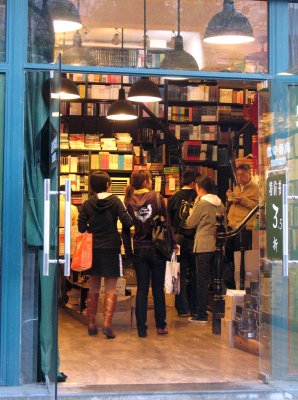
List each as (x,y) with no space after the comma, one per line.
(92,141)
(108,144)
(123,141)
(76,141)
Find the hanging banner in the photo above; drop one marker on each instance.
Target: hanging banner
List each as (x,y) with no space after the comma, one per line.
(274,212)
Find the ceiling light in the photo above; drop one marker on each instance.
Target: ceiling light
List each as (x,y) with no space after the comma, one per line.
(179,58)
(229,27)
(77,55)
(116,38)
(67,90)
(65,16)
(144,90)
(122,109)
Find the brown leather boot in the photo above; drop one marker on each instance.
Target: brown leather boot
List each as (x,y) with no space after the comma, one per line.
(92,302)
(108,312)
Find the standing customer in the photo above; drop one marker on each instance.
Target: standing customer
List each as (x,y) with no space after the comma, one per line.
(242,200)
(178,209)
(203,218)
(99,215)
(141,203)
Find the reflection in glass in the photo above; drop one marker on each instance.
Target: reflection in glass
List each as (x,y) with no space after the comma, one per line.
(2,29)
(97,44)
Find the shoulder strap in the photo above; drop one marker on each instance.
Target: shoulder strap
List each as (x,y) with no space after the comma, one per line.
(158,203)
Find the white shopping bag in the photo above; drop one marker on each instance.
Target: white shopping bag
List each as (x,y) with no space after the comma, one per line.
(172,278)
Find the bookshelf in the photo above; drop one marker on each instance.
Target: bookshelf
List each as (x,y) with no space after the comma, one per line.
(205,116)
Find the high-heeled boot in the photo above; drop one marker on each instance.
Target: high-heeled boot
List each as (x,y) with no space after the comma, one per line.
(92,302)
(108,312)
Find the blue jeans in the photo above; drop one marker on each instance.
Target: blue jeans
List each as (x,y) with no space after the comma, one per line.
(149,264)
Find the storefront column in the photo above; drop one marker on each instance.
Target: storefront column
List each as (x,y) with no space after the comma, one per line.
(13,194)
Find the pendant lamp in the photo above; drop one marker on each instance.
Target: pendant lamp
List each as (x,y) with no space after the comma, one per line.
(68,90)
(229,27)
(144,90)
(179,58)
(77,55)
(65,16)
(122,109)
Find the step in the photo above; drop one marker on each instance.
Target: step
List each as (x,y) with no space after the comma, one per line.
(203,391)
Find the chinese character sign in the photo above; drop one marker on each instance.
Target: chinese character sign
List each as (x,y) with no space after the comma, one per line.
(274,211)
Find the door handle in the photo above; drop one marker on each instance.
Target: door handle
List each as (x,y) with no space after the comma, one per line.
(67,227)
(285,233)
(46,228)
(285,227)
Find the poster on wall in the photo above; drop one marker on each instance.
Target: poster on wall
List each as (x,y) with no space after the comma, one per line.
(274,212)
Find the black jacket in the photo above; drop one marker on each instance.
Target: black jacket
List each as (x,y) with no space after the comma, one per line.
(99,217)
(178,205)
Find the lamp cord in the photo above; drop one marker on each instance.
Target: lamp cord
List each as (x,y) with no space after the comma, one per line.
(145,32)
(178,19)
(122,54)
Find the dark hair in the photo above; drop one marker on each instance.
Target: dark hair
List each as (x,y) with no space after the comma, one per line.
(244,167)
(189,176)
(137,180)
(206,183)
(99,181)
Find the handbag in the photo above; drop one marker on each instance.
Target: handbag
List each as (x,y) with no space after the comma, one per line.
(82,254)
(172,278)
(161,237)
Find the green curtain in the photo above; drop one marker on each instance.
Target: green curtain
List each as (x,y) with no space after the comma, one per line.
(36,137)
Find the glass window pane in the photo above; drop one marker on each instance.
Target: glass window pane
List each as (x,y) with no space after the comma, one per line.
(293,35)
(99,40)
(2,114)
(2,30)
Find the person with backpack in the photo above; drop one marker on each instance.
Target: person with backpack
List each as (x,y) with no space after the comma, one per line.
(143,204)
(178,210)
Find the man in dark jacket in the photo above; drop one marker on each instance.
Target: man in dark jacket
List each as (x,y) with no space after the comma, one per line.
(178,210)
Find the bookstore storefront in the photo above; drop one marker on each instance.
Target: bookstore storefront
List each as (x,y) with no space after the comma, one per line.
(222,72)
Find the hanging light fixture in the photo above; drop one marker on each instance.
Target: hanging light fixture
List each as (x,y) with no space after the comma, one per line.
(116,38)
(179,58)
(77,55)
(122,109)
(67,90)
(229,27)
(144,90)
(65,16)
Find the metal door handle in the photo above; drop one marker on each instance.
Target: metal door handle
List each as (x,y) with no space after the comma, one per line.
(285,234)
(67,227)
(46,228)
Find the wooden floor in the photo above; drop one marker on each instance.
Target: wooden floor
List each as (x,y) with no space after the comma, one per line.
(190,353)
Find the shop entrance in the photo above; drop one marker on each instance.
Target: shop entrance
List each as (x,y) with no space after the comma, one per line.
(190,353)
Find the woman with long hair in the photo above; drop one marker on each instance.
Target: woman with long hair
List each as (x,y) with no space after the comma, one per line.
(99,215)
(142,205)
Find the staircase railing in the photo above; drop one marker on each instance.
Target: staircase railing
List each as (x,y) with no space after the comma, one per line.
(221,235)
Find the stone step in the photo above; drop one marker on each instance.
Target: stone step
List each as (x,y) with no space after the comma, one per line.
(208,391)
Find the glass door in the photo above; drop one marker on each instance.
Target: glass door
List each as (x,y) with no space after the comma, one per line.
(278,135)
(50,260)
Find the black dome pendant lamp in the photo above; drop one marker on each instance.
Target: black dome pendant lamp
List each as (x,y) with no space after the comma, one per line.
(179,58)
(122,109)
(229,27)
(144,90)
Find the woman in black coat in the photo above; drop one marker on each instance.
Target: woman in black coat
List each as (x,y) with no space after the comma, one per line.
(99,215)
